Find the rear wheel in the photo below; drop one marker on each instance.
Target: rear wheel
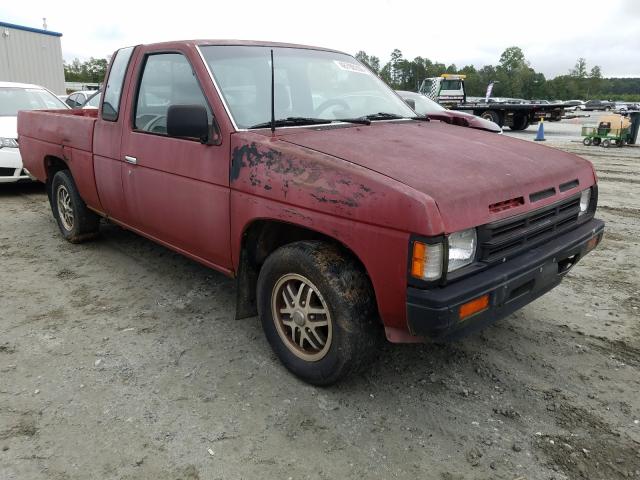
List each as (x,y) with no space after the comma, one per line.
(76,222)
(596,141)
(587,141)
(520,122)
(317,310)
(606,143)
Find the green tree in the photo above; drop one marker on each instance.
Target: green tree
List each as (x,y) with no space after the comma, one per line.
(580,68)
(91,71)
(372,62)
(515,76)
(512,60)
(394,69)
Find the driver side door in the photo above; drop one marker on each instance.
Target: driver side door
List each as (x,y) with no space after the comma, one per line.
(176,189)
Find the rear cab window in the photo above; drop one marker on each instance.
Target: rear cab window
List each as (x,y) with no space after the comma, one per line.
(115,84)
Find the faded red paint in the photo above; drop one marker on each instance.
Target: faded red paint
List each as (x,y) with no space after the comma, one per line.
(368,187)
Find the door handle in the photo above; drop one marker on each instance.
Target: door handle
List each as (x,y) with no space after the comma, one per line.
(132,160)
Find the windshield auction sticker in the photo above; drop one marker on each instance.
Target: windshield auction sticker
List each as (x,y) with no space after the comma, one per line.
(351,67)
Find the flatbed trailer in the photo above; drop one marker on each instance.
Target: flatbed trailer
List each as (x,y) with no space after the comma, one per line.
(516,116)
(448,90)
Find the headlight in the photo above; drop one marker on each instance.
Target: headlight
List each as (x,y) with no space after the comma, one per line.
(462,248)
(585,199)
(8,142)
(426,261)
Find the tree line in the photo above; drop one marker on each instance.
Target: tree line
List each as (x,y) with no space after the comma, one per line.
(91,71)
(513,76)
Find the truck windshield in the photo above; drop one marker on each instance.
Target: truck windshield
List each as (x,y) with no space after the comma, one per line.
(307,83)
(14,99)
(451,85)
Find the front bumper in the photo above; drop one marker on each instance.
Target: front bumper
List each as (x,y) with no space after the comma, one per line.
(434,313)
(11,166)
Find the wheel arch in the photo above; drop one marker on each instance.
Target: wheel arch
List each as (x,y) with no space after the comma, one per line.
(53,165)
(262,236)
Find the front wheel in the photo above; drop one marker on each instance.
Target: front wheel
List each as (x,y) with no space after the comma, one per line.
(318,312)
(492,116)
(76,222)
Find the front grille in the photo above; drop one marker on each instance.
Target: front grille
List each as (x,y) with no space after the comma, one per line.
(7,172)
(511,236)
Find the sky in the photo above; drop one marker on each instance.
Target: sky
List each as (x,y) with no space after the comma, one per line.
(552,33)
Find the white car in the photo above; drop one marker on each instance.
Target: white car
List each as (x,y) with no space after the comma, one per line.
(574,105)
(93,102)
(78,99)
(620,107)
(15,97)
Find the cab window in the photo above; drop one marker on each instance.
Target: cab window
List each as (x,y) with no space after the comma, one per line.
(167,79)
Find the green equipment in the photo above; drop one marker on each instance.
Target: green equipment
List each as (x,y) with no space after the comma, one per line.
(606,135)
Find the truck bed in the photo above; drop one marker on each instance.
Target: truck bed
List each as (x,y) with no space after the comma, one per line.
(43,133)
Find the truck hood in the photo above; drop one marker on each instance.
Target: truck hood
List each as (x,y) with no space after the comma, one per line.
(9,127)
(465,171)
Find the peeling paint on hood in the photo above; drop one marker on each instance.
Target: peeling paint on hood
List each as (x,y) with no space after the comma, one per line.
(464,170)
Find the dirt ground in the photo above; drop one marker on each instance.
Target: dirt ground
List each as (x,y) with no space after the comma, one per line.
(122,360)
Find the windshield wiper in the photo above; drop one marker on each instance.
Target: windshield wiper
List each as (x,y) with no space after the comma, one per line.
(360,120)
(393,116)
(383,116)
(292,121)
(297,121)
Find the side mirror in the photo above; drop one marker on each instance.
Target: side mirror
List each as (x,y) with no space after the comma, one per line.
(188,121)
(411,102)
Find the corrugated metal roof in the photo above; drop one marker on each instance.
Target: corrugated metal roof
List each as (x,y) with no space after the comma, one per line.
(29,29)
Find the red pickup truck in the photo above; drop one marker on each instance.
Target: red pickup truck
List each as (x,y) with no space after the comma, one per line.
(298,172)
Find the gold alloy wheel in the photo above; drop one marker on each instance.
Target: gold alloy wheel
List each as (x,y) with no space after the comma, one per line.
(302,317)
(65,210)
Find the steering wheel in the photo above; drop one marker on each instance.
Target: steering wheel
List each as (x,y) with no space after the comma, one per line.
(331,103)
(155,125)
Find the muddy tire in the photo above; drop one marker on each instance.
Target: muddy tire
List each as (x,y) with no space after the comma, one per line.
(587,141)
(318,311)
(596,141)
(76,222)
(606,143)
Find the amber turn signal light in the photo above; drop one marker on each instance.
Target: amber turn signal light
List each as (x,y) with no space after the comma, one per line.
(476,305)
(593,243)
(426,261)
(418,260)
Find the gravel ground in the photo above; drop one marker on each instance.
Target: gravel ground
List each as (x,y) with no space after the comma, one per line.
(120,359)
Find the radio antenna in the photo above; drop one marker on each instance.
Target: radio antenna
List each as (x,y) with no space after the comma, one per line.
(273,107)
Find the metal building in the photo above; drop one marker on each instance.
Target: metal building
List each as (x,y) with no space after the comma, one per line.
(31,55)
